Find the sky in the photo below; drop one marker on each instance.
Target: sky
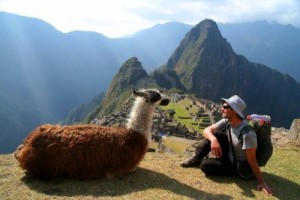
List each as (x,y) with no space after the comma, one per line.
(117,18)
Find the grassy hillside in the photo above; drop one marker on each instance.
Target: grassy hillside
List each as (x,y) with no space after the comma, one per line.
(159,176)
(185,110)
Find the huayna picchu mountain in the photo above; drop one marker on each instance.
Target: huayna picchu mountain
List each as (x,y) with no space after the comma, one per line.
(207,66)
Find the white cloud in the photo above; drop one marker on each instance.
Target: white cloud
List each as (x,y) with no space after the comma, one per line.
(115,18)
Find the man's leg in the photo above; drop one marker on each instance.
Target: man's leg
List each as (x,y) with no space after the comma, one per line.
(203,149)
(200,152)
(244,170)
(218,167)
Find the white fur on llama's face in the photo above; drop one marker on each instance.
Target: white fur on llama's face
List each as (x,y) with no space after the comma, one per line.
(144,106)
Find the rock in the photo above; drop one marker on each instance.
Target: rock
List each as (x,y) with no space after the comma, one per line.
(294,133)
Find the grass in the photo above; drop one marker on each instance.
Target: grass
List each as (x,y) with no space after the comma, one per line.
(178,145)
(159,176)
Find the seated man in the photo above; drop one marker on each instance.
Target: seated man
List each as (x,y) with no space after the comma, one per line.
(230,157)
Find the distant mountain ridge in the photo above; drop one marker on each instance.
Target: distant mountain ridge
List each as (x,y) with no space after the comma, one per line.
(44,74)
(271,44)
(79,114)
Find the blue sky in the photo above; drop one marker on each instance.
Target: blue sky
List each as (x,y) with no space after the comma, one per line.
(116,18)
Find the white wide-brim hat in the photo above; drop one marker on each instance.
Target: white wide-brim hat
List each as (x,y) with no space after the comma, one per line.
(237,104)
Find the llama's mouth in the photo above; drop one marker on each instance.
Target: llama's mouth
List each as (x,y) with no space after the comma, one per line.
(164,102)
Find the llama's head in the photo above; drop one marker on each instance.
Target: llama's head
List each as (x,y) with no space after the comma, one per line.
(152,96)
(141,114)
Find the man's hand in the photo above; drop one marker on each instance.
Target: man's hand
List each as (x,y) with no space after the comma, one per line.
(264,187)
(216,148)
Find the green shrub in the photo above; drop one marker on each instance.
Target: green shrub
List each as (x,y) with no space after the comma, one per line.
(204,125)
(206,120)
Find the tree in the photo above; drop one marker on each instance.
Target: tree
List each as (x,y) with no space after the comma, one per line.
(171,112)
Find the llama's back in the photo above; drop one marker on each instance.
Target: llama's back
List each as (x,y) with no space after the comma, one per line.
(84,152)
(115,157)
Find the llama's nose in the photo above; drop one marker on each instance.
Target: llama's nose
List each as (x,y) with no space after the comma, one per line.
(164,102)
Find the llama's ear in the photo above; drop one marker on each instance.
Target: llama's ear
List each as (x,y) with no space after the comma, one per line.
(138,94)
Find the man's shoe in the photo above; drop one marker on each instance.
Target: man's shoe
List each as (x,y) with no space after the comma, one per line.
(191,162)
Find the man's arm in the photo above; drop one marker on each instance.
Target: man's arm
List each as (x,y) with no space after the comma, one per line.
(251,157)
(214,143)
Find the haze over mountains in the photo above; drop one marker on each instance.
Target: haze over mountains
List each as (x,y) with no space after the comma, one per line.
(272,44)
(44,73)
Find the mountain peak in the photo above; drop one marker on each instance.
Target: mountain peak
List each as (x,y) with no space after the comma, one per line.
(130,76)
(200,45)
(207,25)
(130,72)
(206,29)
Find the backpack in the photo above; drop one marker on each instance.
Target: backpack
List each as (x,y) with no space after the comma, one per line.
(261,124)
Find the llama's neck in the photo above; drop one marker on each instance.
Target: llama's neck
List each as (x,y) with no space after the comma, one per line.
(141,117)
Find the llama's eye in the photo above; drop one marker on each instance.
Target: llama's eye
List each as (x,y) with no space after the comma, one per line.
(155,98)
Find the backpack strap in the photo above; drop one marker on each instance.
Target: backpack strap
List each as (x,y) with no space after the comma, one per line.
(244,131)
(228,127)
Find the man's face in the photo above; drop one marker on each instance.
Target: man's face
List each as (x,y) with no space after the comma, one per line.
(227,111)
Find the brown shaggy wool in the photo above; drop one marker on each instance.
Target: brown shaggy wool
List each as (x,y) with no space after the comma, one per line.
(91,151)
(81,151)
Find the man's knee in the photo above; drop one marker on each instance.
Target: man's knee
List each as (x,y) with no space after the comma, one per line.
(208,167)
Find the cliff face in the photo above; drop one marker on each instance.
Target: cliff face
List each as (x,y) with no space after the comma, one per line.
(207,66)
(167,78)
(294,133)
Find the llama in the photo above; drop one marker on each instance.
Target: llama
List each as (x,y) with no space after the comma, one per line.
(91,151)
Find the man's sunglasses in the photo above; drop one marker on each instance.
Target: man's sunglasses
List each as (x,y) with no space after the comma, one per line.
(226,107)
